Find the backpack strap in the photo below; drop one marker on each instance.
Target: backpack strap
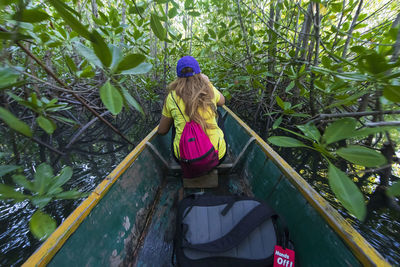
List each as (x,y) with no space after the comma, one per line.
(172,95)
(246,225)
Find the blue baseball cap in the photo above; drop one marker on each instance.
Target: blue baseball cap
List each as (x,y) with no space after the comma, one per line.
(189,62)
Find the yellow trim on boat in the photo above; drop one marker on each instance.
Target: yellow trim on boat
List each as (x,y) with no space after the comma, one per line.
(49,248)
(364,252)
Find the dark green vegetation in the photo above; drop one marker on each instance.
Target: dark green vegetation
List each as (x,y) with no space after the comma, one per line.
(317,75)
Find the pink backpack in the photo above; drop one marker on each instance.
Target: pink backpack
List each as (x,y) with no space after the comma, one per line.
(197,155)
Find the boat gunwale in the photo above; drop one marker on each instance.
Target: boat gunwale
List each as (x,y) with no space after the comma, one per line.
(362,250)
(43,255)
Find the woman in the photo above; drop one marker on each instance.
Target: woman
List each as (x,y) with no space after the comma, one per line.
(192,97)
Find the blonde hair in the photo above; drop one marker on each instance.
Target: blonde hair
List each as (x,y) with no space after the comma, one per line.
(197,94)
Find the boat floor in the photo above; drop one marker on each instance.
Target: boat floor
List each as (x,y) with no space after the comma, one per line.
(155,246)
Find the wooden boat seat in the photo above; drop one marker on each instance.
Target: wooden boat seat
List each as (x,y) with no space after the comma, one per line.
(209,180)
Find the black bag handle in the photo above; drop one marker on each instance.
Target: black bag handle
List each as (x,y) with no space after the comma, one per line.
(246,225)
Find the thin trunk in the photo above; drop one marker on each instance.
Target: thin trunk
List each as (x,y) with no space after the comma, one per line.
(17,155)
(304,33)
(363,103)
(271,36)
(350,32)
(339,24)
(396,46)
(274,20)
(297,23)
(244,34)
(310,50)
(316,56)
(302,44)
(165,51)
(42,151)
(155,76)
(191,35)
(95,9)
(123,20)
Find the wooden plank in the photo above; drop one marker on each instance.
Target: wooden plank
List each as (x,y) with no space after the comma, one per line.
(209,180)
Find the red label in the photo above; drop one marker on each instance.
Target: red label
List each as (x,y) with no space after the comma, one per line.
(283,257)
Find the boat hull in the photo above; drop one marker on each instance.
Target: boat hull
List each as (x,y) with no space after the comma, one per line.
(129,219)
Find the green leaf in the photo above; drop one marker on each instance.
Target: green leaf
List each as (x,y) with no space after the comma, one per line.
(22,181)
(352,76)
(188,4)
(41,201)
(64,120)
(280,102)
(42,225)
(336,7)
(13,36)
(130,61)
(194,13)
(14,123)
(111,98)
(8,192)
(392,93)
(4,169)
(31,15)
(86,73)
(75,25)
(8,77)
(70,63)
(116,57)
(359,49)
(132,101)
(88,54)
(326,62)
(394,190)
(339,130)
(172,12)
(347,192)
(141,69)
(370,131)
(64,176)
(212,33)
(310,130)
(277,122)
(362,156)
(43,177)
(285,141)
(54,191)
(157,27)
(101,49)
(46,124)
(296,133)
(289,87)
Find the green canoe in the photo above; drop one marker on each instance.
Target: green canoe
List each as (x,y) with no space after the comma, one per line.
(129,219)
